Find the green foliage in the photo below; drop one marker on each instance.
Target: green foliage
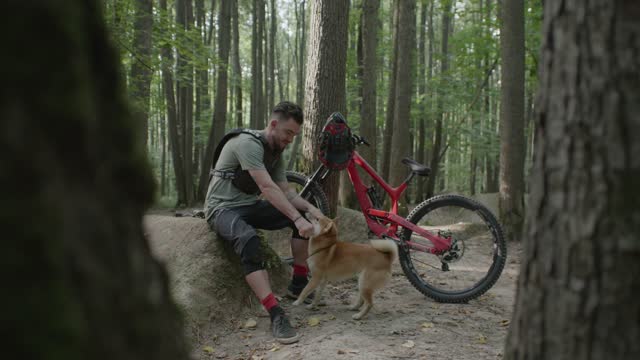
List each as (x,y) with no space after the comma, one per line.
(469,94)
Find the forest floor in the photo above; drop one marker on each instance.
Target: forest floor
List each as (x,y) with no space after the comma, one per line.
(403,324)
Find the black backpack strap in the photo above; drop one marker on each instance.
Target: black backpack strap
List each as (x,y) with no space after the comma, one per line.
(229,174)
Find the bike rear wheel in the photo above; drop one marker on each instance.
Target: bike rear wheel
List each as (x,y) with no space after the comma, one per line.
(315,195)
(461,274)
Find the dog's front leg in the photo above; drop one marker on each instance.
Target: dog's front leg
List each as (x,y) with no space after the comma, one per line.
(313,283)
(316,298)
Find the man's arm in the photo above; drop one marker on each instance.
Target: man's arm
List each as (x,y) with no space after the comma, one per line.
(278,199)
(297,201)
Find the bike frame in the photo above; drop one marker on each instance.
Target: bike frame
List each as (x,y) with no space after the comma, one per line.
(383,224)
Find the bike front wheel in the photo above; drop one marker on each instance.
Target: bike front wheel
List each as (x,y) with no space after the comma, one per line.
(315,194)
(474,262)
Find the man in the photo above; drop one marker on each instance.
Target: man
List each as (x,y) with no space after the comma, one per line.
(248,164)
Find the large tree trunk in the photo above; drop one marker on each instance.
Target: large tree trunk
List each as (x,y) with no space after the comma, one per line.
(368,125)
(325,85)
(578,288)
(83,284)
(436,152)
(220,102)
(175,142)
(401,144)
(512,119)
(140,76)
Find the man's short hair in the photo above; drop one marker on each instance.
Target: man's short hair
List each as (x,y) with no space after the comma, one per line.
(285,110)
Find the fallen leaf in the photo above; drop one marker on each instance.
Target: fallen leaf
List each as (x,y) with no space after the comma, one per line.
(331,317)
(208,349)
(505,322)
(250,324)
(409,344)
(427,325)
(314,321)
(341,352)
(481,339)
(352,351)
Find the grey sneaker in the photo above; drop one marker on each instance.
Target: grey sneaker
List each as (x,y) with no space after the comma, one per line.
(282,329)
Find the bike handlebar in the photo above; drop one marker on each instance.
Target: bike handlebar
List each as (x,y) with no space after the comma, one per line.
(360,140)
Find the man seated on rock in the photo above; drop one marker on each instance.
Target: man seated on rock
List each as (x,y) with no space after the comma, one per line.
(247,163)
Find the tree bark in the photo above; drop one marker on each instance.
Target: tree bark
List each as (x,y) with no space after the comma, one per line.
(578,288)
(512,119)
(83,282)
(325,80)
(436,152)
(401,144)
(220,103)
(140,76)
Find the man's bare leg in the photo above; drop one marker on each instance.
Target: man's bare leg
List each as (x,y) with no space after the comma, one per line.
(259,282)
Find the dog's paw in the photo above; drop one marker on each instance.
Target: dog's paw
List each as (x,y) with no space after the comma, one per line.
(297,302)
(312,307)
(356,316)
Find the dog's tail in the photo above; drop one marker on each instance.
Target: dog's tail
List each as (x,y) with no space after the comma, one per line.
(386,246)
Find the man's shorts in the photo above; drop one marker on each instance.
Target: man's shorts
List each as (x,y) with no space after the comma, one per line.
(238,224)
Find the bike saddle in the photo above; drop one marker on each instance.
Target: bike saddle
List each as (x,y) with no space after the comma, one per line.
(416,167)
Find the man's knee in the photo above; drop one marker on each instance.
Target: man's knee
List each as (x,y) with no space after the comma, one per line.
(251,256)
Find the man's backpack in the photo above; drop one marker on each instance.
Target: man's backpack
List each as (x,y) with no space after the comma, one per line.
(241,179)
(336,143)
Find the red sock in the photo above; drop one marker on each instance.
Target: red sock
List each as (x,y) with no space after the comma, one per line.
(269,301)
(300,270)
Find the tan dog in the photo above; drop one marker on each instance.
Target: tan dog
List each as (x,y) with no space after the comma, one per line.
(333,260)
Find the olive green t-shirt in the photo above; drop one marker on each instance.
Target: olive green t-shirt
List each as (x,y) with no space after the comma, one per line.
(248,152)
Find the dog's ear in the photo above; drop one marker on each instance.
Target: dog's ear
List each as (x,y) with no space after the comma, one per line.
(327,227)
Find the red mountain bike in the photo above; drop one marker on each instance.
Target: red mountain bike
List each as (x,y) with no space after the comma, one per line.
(450,247)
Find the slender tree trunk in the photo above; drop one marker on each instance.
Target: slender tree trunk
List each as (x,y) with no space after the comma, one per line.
(301,41)
(401,144)
(237,70)
(422,89)
(83,283)
(271,85)
(578,287)
(512,146)
(325,85)
(388,123)
(140,76)
(220,105)
(172,116)
(436,152)
(184,18)
(368,125)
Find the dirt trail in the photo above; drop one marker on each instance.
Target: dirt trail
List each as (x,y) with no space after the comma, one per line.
(403,323)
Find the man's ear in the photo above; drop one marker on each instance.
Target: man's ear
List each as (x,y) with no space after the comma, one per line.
(273,123)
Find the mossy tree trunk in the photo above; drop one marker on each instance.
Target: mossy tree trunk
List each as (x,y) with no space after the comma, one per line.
(82,282)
